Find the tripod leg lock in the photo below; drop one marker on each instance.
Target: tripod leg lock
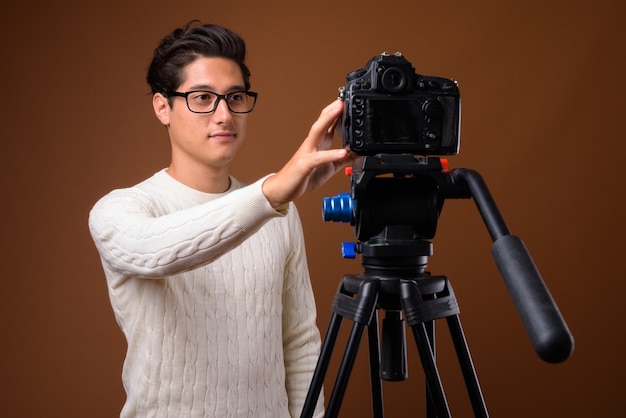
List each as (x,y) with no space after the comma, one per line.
(424,306)
(360,308)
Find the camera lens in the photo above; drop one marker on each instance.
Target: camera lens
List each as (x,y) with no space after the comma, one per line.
(393,80)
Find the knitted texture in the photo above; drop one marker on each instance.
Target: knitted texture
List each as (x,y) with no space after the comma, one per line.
(213,295)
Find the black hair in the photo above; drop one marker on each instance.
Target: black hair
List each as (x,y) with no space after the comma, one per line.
(184,45)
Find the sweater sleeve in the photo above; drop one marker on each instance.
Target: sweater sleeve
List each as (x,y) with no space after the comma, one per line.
(301,338)
(135,238)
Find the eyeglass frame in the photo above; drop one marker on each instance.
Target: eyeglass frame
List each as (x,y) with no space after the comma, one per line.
(220,97)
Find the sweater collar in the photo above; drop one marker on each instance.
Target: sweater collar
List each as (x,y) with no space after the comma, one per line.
(196,195)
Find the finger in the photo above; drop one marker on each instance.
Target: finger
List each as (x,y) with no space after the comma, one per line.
(317,160)
(331,129)
(334,108)
(328,119)
(326,141)
(329,156)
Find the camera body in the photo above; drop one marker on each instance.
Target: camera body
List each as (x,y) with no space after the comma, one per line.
(389,108)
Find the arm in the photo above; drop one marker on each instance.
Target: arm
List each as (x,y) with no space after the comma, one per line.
(132,239)
(136,236)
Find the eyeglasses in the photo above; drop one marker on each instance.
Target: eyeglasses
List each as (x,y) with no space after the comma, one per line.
(203,101)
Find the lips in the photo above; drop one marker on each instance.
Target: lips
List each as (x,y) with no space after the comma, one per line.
(223,135)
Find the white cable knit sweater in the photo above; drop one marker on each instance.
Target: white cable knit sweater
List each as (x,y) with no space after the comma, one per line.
(213,294)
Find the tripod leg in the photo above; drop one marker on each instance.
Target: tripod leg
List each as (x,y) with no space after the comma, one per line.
(469,373)
(344,370)
(433,381)
(430,332)
(364,310)
(375,379)
(322,367)
(413,305)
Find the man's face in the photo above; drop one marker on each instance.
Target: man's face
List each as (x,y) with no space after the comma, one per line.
(208,140)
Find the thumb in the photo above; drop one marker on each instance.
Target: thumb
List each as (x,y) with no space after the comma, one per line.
(330,156)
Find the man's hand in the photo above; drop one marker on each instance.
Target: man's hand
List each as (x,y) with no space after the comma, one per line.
(312,164)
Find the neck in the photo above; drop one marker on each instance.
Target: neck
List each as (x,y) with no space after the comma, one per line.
(204,179)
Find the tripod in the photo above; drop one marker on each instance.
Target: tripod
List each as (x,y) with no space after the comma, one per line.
(422,298)
(405,207)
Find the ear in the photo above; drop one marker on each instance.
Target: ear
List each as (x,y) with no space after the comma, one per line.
(161,108)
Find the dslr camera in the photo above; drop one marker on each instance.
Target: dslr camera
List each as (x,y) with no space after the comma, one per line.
(391,109)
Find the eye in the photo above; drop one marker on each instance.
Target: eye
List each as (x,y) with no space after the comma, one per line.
(237,96)
(202,98)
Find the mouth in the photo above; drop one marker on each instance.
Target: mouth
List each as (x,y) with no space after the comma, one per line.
(223,136)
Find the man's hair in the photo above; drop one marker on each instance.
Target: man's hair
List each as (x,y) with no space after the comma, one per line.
(185,45)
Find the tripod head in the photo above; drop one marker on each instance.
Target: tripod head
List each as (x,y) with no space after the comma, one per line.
(399,201)
(394,207)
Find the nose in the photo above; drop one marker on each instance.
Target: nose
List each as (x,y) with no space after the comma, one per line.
(222,113)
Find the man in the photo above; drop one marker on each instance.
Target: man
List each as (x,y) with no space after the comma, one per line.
(207,277)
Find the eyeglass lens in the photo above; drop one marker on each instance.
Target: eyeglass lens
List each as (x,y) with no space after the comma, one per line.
(206,101)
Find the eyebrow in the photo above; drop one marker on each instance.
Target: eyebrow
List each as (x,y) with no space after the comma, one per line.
(208,87)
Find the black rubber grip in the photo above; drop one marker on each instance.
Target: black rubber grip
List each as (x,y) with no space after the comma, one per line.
(544,324)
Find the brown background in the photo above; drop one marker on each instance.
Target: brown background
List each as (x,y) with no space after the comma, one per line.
(543,111)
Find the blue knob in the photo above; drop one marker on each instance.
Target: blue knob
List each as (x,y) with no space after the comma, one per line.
(348,249)
(337,208)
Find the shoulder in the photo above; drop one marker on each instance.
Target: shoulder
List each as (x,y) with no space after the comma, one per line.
(141,196)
